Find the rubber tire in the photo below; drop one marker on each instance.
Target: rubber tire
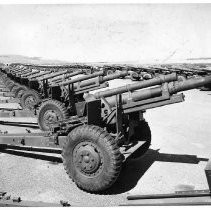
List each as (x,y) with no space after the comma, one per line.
(51,105)
(14,87)
(110,152)
(28,93)
(8,82)
(142,133)
(10,87)
(3,77)
(16,90)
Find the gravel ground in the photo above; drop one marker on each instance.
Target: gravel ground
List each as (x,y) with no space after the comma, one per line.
(176,159)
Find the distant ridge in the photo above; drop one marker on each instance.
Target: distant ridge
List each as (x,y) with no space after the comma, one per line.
(202,58)
(7,59)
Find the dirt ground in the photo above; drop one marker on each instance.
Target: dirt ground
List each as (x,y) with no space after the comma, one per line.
(180,149)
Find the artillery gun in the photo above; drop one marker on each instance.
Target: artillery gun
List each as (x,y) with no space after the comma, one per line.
(64,94)
(96,136)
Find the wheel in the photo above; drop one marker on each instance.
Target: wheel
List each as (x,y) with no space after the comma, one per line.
(3,77)
(51,112)
(29,99)
(18,91)
(11,85)
(8,82)
(91,158)
(142,132)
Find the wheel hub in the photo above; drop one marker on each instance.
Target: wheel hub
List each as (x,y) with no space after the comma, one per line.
(87,158)
(50,117)
(20,93)
(30,101)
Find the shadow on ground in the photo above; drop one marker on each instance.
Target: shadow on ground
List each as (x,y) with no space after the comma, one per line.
(132,170)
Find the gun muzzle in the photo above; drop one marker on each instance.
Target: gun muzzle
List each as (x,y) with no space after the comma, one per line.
(188,84)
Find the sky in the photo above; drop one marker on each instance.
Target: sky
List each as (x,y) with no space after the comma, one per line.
(107,33)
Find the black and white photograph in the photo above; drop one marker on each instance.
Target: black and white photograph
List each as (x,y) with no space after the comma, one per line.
(105,104)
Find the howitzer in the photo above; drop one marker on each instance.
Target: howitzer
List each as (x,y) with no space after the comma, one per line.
(65,95)
(142,99)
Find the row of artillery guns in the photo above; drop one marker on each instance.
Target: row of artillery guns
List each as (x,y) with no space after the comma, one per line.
(36,87)
(94,129)
(184,71)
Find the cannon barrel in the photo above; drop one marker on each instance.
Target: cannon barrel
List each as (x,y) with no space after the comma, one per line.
(68,75)
(54,74)
(173,87)
(136,96)
(138,85)
(188,84)
(114,76)
(103,79)
(79,79)
(30,73)
(39,75)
